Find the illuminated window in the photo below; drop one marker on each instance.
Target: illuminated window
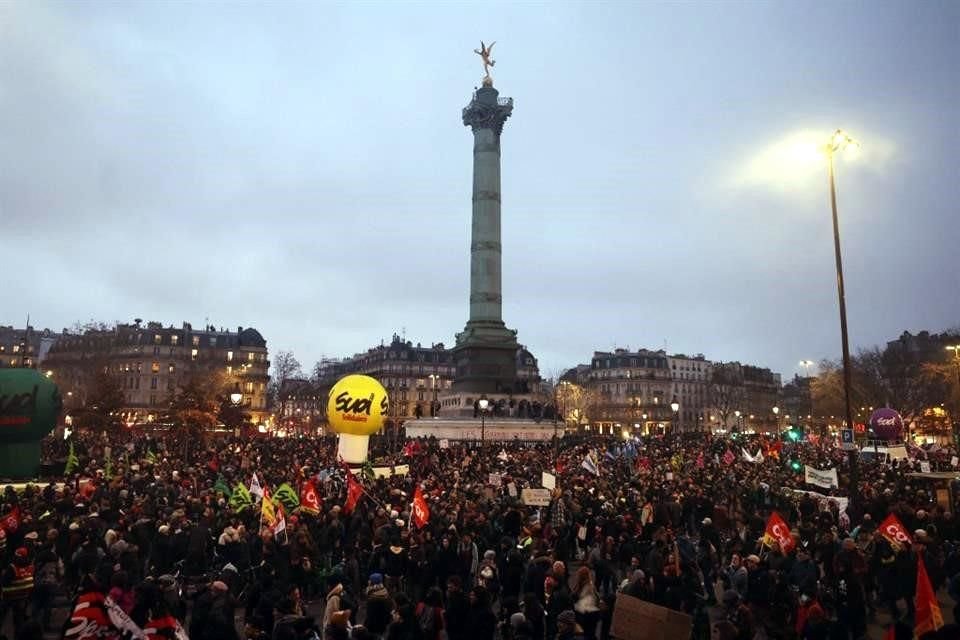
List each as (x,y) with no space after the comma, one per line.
(171,368)
(16,348)
(213,341)
(174,339)
(155,367)
(229,356)
(248,387)
(196,341)
(157,338)
(251,356)
(193,354)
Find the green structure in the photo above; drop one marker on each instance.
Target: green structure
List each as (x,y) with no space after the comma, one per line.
(29,406)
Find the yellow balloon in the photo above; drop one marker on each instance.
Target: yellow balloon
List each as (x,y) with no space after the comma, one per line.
(357,405)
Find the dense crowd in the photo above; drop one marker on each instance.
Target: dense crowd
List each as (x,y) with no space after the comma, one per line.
(155,523)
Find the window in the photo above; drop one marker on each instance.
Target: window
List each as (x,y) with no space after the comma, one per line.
(248,387)
(174,339)
(193,354)
(156,351)
(251,357)
(155,367)
(213,341)
(157,338)
(196,341)
(229,356)
(171,368)
(153,399)
(170,384)
(16,348)
(139,367)
(153,382)
(136,382)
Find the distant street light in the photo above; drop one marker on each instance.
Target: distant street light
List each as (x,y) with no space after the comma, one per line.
(236,396)
(675,407)
(483,403)
(806,364)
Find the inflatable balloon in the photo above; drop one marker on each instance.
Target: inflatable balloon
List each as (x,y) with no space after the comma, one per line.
(356,409)
(886,424)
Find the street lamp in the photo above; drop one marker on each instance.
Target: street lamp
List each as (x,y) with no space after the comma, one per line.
(956,361)
(776,417)
(806,364)
(675,407)
(839,142)
(483,403)
(236,396)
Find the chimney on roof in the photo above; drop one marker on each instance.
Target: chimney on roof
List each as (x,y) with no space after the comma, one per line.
(239,330)
(187,327)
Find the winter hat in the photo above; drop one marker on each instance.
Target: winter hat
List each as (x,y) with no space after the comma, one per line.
(567,617)
(376,578)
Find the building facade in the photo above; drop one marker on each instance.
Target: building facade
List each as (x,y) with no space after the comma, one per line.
(415,376)
(25,347)
(691,391)
(630,389)
(152,362)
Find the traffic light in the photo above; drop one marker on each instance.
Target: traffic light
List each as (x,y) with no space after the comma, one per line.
(793,434)
(796,465)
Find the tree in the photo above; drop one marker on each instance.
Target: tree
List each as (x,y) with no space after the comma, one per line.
(194,408)
(104,399)
(285,367)
(726,390)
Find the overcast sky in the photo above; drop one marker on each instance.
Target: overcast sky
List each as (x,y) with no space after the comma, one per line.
(303,169)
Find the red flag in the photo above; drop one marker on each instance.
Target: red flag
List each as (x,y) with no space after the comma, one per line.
(421,512)
(893,530)
(354,492)
(778,531)
(728,457)
(560,467)
(928,617)
(309,500)
(11,521)
(162,628)
(280,526)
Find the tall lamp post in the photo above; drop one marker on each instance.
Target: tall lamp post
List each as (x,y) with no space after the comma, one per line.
(956,412)
(806,364)
(675,407)
(839,142)
(483,403)
(737,416)
(776,418)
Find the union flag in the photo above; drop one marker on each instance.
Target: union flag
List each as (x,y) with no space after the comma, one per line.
(421,512)
(309,500)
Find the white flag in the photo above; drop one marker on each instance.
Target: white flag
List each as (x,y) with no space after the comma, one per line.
(255,488)
(503,455)
(746,455)
(590,464)
(825,478)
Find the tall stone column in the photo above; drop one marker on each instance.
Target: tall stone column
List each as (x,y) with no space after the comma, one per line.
(486,350)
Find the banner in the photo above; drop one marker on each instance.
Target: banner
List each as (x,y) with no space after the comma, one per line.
(778,531)
(826,478)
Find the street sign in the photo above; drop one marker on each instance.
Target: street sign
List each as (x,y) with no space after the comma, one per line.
(847,442)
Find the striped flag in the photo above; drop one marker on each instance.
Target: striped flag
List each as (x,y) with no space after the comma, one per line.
(590,463)
(268,513)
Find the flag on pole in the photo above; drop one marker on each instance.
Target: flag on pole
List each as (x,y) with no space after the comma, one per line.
(221,486)
(746,454)
(280,526)
(354,493)
(421,512)
(240,499)
(255,489)
(72,461)
(268,513)
(591,464)
(10,521)
(893,530)
(287,496)
(928,616)
(309,500)
(728,458)
(778,531)
(676,462)
(151,457)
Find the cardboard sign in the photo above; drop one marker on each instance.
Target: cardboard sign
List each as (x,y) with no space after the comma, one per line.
(536,497)
(512,489)
(444,444)
(635,619)
(954,461)
(548,481)
(386,472)
(494,480)
(924,467)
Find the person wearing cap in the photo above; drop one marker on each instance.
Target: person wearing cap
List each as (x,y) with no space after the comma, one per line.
(379,605)
(16,586)
(567,627)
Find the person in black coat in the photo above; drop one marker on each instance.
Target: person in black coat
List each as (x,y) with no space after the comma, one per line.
(457,610)
(482,622)
(379,606)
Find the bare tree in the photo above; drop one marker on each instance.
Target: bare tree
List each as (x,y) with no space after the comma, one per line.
(726,390)
(284,367)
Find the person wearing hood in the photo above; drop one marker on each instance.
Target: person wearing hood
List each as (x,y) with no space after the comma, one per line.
(335,600)
(379,606)
(395,565)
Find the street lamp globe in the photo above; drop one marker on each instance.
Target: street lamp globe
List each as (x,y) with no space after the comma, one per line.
(236,396)
(483,404)
(675,406)
(776,411)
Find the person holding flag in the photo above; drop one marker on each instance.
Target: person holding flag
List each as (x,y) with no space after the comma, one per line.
(309,500)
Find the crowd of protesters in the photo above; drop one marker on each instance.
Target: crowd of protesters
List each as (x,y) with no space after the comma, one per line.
(152,522)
